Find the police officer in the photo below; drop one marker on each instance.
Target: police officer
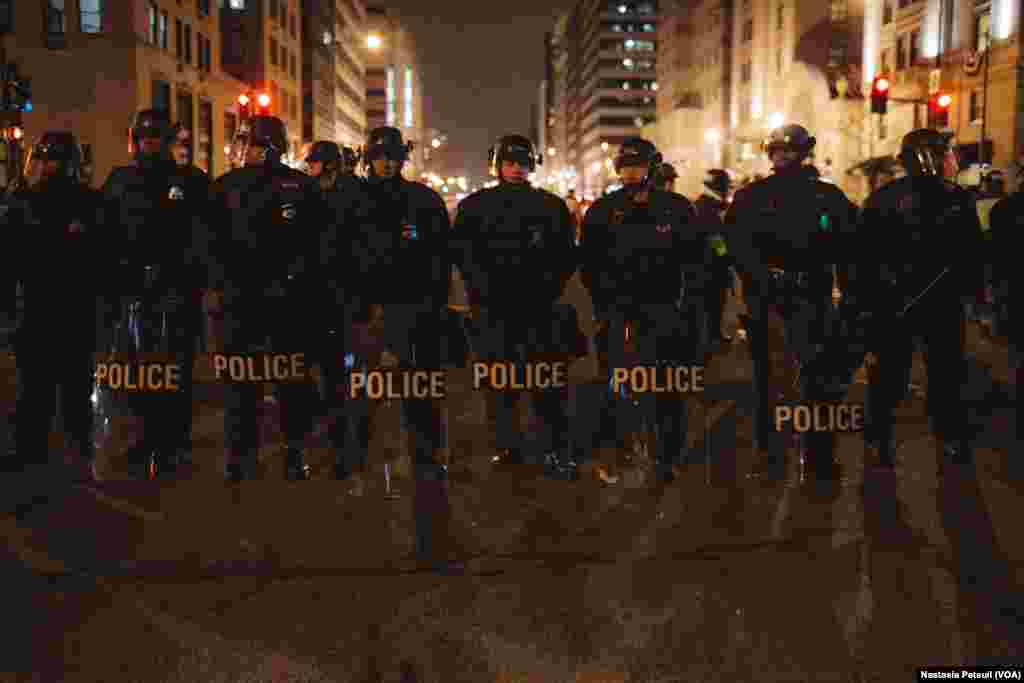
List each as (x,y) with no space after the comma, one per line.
(922,261)
(1006,218)
(154,246)
(783,230)
(59,233)
(501,232)
(267,219)
(710,207)
(641,260)
(404,263)
(348,204)
(665,178)
(349,162)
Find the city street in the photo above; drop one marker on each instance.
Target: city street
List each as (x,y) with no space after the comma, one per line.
(716,577)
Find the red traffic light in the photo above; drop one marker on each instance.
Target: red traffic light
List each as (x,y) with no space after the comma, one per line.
(943,101)
(881,85)
(243,100)
(264,100)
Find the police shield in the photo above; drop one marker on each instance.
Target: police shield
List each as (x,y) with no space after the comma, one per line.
(139,372)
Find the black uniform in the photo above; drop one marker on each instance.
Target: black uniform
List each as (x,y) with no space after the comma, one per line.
(786,234)
(710,210)
(153,257)
(644,265)
(351,212)
(403,262)
(267,221)
(912,230)
(59,233)
(502,233)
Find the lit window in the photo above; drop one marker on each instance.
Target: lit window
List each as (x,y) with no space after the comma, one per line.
(408,96)
(90,14)
(623,9)
(236,4)
(391,97)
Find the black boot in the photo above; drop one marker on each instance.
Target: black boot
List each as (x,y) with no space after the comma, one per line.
(296,468)
(560,465)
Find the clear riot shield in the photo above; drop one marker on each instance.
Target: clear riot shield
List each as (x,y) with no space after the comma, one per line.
(140,372)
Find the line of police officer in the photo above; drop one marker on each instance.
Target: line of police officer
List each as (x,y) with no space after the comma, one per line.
(264,241)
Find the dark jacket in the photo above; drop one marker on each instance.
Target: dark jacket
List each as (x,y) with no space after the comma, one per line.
(794,222)
(57,256)
(350,213)
(909,231)
(155,215)
(515,246)
(266,223)
(403,256)
(636,254)
(1007,225)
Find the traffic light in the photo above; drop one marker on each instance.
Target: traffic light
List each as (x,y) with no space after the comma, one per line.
(264,104)
(938,110)
(880,95)
(243,105)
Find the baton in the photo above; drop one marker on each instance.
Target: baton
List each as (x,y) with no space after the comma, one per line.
(920,296)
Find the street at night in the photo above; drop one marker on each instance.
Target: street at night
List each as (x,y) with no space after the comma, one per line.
(585,341)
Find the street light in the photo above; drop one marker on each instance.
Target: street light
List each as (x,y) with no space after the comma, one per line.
(373,41)
(776,120)
(604,146)
(551,151)
(712,135)
(435,143)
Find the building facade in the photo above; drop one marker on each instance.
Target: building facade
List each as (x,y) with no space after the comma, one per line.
(262,48)
(558,174)
(610,83)
(334,78)
(734,69)
(394,93)
(93,64)
(969,49)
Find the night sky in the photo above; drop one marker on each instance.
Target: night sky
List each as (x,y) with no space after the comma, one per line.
(481,63)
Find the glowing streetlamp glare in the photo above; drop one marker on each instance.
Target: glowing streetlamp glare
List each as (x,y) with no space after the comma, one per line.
(373,41)
(551,151)
(776,120)
(604,146)
(435,143)
(712,135)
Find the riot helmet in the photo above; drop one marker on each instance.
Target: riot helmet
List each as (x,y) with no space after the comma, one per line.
(637,152)
(182,149)
(151,135)
(513,148)
(926,153)
(718,180)
(55,155)
(386,149)
(793,141)
(665,175)
(349,161)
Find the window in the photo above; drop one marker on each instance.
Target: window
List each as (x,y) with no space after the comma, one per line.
(981,31)
(745,72)
(748,30)
(884,62)
(975,107)
(882,132)
(203,8)
(273,9)
(184,109)
(778,61)
(203,142)
(90,16)
(284,59)
(390,103)
(273,51)
(293,26)
(408,96)
(188,44)
(887,12)
(151,15)
(901,53)
(294,66)
(744,109)
(915,47)
(200,51)
(179,44)
(780,16)
(162,30)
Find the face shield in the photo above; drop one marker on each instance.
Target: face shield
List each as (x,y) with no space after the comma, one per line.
(240,145)
(937,161)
